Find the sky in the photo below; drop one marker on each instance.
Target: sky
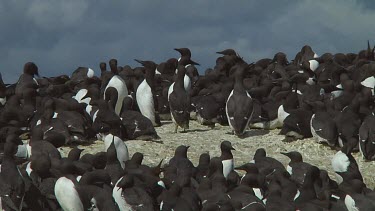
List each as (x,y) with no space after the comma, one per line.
(60,36)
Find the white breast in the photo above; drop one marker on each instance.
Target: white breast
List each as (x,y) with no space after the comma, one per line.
(94,116)
(297,195)
(313,65)
(35,81)
(157,72)
(90,73)
(289,169)
(67,195)
(226,110)
(145,101)
(80,94)
(161,184)
(22,151)
(28,147)
(122,91)
(228,166)
(119,198)
(340,162)
(282,114)
(337,93)
(121,148)
(350,203)
(3,100)
(187,83)
(258,193)
(310,81)
(339,178)
(369,82)
(170,90)
(88,109)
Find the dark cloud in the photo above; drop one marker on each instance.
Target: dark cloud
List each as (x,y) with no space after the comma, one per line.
(62,35)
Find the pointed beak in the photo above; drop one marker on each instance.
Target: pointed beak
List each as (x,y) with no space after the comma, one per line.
(194,63)
(139,61)
(232,148)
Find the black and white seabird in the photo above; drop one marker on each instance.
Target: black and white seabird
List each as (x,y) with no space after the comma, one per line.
(179,101)
(239,106)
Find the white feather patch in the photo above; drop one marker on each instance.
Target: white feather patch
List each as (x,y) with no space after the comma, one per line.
(69,201)
(145,101)
(226,110)
(121,148)
(313,65)
(90,73)
(28,169)
(21,151)
(282,114)
(350,203)
(122,91)
(228,166)
(258,193)
(170,90)
(340,162)
(289,169)
(161,183)
(3,100)
(157,72)
(95,115)
(119,197)
(187,83)
(297,195)
(88,109)
(369,82)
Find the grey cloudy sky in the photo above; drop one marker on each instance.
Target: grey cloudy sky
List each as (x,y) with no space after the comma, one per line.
(62,35)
